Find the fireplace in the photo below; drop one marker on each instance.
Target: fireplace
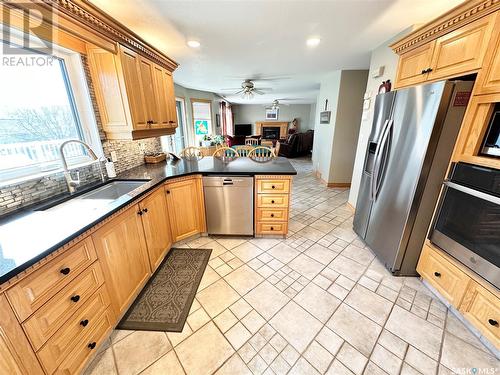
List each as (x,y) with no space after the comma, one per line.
(270,132)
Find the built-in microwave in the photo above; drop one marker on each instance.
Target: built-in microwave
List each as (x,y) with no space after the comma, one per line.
(467,223)
(491,144)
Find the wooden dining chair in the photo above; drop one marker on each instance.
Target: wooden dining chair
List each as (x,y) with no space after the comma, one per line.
(243,150)
(191,152)
(226,153)
(261,154)
(276,149)
(251,142)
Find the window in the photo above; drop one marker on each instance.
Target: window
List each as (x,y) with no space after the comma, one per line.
(202,118)
(46,103)
(177,142)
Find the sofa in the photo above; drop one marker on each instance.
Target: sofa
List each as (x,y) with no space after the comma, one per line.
(297,144)
(237,140)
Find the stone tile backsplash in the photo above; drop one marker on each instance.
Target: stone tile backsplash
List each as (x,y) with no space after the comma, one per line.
(129,153)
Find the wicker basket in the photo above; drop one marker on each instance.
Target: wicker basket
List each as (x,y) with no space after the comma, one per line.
(151,159)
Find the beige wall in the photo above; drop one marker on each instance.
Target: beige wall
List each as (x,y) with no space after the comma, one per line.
(381,56)
(335,143)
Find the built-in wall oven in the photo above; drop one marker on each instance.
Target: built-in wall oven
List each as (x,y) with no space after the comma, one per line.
(467,224)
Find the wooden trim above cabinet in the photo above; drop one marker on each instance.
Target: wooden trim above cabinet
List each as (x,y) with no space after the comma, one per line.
(454,19)
(86,21)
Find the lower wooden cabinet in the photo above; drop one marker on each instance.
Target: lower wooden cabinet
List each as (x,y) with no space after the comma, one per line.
(156,226)
(482,308)
(16,355)
(448,280)
(122,252)
(185,207)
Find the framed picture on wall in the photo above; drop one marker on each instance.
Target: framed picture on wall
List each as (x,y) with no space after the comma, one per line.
(324,117)
(272,113)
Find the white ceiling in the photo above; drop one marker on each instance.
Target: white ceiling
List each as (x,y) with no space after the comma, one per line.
(258,38)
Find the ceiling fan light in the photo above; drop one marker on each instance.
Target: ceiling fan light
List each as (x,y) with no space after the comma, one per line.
(313,42)
(193,43)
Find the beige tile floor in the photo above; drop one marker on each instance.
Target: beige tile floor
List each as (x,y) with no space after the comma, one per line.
(317,302)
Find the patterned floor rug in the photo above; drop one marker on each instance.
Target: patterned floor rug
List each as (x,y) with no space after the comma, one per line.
(164,303)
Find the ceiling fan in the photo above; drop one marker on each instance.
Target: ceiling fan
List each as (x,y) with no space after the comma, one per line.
(277,102)
(248,89)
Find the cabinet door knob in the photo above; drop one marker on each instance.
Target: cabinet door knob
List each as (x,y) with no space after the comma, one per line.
(92,345)
(75,298)
(272,215)
(437,274)
(424,71)
(273,187)
(168,191)
(139,212)
(84,322)
(272,201)
(170,122)
(145,210)
(493,322)
(272,228)
(65,270)
(429,70)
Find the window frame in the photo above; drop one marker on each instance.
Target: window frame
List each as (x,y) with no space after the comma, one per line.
(83,111)
(209,102)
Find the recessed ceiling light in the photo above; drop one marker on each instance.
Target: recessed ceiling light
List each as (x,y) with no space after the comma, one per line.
(193,43)
(313,42)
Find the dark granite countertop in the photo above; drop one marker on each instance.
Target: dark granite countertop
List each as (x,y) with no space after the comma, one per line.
(30,235)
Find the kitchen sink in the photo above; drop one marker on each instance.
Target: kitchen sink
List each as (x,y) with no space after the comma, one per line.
(97,197)
(113,190)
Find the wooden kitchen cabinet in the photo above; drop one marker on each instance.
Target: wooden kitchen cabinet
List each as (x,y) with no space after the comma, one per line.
(135,96)
(413,64)
(482,309)
(461,51)
(488,79)
(122,252)
(155,221)
(16,355)
(185,207)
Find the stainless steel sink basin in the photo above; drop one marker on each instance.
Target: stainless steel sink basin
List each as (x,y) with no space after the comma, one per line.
(113,190)
(96,198)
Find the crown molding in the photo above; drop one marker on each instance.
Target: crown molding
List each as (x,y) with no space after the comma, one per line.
(456,18)
(90,18)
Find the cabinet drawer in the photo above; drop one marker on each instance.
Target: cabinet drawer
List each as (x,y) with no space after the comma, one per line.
(449,280)
(272,214)
(273,186)
(34,290)
(272,200)
(482,309)
(51,316)
(74,362)
(272,228)
(75,329)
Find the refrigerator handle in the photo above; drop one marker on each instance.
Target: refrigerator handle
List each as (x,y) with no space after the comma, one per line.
(372,179)
(378,158)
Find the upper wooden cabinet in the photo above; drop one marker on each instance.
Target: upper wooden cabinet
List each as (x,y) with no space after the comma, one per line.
(444,49)
(122,252)
(413,64)
(488,79)
(156,227)
(185,207)
(16,355)
(135,96)
(462,51)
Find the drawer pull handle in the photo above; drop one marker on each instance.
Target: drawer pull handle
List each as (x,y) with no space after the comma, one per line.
(84,323)
(437,274)
(140,213)
(75,298)
(273,187)
(272,215)
(272,228)
(493,322)
(65,270)
(272,201)
(145,210)
(92,345)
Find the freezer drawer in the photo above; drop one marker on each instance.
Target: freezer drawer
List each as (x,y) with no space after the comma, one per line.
(229,204)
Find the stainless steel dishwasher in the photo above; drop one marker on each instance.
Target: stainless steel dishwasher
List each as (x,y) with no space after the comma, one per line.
(229,204)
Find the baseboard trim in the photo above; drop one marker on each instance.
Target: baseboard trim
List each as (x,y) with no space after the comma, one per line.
(338,184)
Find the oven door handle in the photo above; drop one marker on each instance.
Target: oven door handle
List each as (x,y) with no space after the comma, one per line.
(474,193)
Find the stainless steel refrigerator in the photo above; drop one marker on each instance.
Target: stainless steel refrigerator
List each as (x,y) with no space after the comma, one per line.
(413,134)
